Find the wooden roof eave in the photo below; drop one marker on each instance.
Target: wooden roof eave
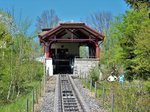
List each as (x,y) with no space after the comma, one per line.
(97,34)
(74,26)
(52,31)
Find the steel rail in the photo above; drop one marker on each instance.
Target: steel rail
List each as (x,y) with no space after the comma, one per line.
(69,98)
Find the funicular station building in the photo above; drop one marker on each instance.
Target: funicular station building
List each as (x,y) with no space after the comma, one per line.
(62,44)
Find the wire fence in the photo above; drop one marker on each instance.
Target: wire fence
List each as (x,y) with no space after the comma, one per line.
(117,97)
(32,99)
(30,102)
(113,98)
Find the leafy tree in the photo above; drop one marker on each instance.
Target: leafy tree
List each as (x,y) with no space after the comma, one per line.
(137,4)
(18,67)
(4,35)
(142,47)
(129,42)
(126,43)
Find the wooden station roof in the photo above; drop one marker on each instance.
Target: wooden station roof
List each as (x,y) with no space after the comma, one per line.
(76,28)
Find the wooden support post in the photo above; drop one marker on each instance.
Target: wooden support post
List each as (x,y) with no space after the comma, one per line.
(97,55)
(46,49)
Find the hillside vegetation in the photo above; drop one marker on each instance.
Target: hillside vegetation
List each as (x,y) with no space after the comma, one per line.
(125,49)
(19,71)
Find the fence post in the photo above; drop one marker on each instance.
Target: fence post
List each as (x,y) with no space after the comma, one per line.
(80,74)
(113,101)
(47,73)
(27,107)
(86,78)
(103,95)
(44,84)
(33,100)
(95,90)
(91,85)
(44,81)
(36,93)
(40,89)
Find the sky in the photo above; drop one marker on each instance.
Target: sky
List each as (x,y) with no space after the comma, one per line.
(67,10)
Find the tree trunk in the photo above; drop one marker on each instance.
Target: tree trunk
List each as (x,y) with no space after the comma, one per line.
(11,75)
(18,90)
(8,95)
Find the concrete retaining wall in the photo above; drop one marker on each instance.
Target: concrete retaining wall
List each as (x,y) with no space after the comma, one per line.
(83,65)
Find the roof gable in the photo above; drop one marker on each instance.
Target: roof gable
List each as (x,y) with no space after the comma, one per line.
(71,26)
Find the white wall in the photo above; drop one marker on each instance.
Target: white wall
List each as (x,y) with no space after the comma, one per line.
(49,67)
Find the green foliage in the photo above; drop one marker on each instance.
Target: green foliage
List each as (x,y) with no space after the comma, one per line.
(133,41)
(4,35)
(18,67)
(128,97)
(132,96)
(129,47)
(126,43)
(147,85)
(83,52)
(137,4)
(142,50)
(19,104)
(94,74)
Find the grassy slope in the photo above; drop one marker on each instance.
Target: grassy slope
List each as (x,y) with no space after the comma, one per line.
(132,96)
(20,104)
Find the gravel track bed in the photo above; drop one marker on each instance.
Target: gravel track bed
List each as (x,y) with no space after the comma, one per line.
(93,104)
(48,98)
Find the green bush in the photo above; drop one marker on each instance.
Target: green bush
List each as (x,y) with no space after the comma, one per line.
(94,74)
(147,85)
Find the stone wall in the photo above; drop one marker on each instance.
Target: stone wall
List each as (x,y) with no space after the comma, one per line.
(83,65)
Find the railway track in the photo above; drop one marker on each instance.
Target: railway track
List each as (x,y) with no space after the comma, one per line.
(68,98)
